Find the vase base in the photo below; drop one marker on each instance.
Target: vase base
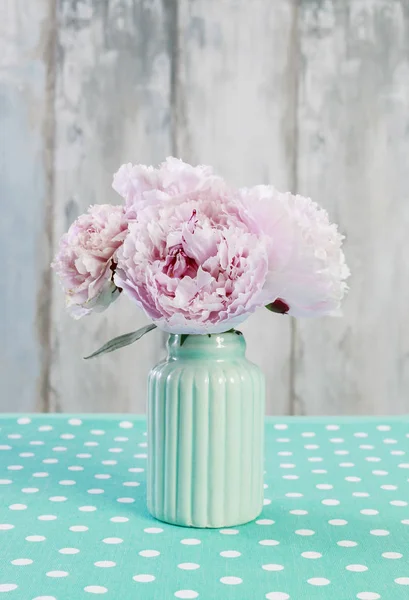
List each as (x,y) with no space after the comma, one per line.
(206,525)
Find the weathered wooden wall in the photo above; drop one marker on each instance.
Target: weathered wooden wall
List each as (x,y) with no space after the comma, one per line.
(312,95)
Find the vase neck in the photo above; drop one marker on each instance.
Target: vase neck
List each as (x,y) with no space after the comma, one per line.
(218,346)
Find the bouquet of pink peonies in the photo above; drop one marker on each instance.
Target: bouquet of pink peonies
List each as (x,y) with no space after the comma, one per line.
(199,256)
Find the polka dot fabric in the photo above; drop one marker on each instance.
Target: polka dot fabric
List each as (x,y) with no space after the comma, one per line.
(74,523)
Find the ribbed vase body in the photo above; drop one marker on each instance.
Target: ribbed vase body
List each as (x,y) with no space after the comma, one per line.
(206,433)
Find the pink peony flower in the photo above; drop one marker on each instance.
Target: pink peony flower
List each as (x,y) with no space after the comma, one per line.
(307,269)
(190,260)
(141,185)
(86,258)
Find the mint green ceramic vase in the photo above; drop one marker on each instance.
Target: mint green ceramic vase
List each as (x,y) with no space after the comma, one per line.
(206,433)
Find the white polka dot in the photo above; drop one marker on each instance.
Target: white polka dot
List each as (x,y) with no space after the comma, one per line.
(347,543)
(35,538)
(45,428)
(119,519)
(367,447)
(153,530)
(332,427)
(284,453)
(67,436)
(125,500)
(368,596)
(17,506)
(15,436)
(311,555)
(188,566)
(231,580)
(78,528)
(6,526)
(287,466)
(190,542)
(149,553)
(266,501)
(22,562)
(330,502)
(269,542)
(91,444)
(319,471)
(389,487)
(265,522)
(341,452)
(87,508)
(273,567)
(338,522)
(369,511)
(15,467)
(324,486)
(283,440)
(8,587)
(229,531)
(405,522)
(47,518)
(41,474)
(280,426)
(290,477)
(390,441)
(392,555)
(131,483)
(23,421)
(136,470)
(318,581)
(379,532)
(187,594)
(5,481)
(126,424)
(143,445)
(298,512)
(67,482)
(26,454)
(45,598)
(308,434)
(397,452)
(380,472)
(337,440)
(305,532)
(95,491)
(113,540)
(113,450)
(143,578)
(230,553)
(311,447)
(105,563)
(36,443)
(102,476)
(75,468)
(360,434)
(140,456)
(402,580)
(59,449)
(75,422)
(404,466)
(121,438)
(315,459)
(398,503)
(95,589)
(277,596)
(346,465)
(97,432)
(58,499)
(50,461)
(294,495)
(353,479)
(68,551)
(356,568)
(30,490)
(83,455)
(360,494)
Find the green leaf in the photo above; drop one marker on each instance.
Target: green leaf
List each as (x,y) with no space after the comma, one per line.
(121,341)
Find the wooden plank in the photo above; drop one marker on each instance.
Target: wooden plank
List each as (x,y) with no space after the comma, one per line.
(353,159)
(26,41)
(235,109)
(112,106)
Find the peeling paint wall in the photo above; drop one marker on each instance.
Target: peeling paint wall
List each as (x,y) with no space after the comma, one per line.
(312,95)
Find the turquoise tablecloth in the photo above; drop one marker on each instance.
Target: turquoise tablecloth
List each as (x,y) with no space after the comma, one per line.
(73,521)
